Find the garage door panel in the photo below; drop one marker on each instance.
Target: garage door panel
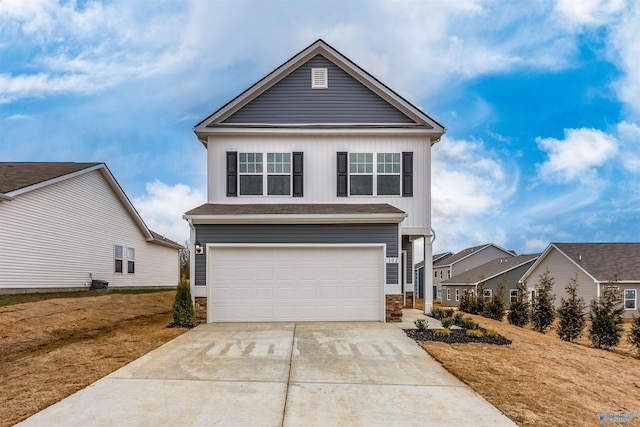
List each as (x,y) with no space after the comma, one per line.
(283,283)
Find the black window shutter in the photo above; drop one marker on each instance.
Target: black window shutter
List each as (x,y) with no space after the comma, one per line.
(407,174)
(232,173)
(343,175)
(297,174)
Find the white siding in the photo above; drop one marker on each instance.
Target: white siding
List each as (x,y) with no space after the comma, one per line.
(562,270)
(320,169)
(53,237)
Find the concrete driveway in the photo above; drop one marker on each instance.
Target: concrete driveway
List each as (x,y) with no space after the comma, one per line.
(279,374)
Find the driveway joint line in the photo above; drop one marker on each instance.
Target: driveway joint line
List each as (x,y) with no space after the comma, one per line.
(286,394)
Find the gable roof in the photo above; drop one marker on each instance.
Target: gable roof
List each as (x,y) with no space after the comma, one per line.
(17,178)
(604,262)
(215,123)
(491,269)
(459,256)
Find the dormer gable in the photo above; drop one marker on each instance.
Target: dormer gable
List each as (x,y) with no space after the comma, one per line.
(318,88)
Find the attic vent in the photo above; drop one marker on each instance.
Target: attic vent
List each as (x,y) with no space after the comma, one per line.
(319,78)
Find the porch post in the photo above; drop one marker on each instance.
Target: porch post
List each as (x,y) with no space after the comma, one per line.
(427,281)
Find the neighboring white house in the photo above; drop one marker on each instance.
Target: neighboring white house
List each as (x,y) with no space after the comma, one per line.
(319,181)
(64,224)
(448,267)
(595,266)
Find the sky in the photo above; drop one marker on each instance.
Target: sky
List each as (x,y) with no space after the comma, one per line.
(541,99)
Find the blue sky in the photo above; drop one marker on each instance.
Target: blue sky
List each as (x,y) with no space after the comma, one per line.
(541,99)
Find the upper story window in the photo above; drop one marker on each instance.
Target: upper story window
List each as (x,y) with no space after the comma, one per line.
(381,179)
(375,174)
(253,175)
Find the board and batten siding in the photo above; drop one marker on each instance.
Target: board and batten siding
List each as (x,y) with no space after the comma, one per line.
(293,101)
(298,233)
(320,169)
(562,270)
(54,236)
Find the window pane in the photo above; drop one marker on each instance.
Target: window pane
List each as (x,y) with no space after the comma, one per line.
(279,185)
(118,266)
(361,185)
(251,185)
(131,267)
(131,254)
(118,251)
(388,185)
(629,294)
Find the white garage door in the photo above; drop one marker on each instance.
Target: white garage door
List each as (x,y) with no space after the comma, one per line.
(295,283)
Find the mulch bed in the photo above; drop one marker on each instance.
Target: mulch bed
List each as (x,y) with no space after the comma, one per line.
(458,336)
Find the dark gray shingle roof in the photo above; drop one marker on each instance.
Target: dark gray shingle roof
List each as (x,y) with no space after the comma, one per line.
(491,269)
(17,175)
(294,209)
(605,261)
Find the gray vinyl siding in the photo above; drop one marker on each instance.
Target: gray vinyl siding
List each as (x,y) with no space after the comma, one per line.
(511,279)
(292,101)
(298,233)
(408,246)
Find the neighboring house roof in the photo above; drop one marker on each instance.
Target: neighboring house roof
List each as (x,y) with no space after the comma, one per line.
(459,256)
(434,258)
(275,213)
(490,270)
(420,121)
(17,178)
(604,262)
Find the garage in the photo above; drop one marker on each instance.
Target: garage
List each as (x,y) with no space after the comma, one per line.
(295,282)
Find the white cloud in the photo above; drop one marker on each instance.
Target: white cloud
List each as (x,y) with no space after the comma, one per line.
(589,12)
(470,185)
(625,52)
(629,135)
(163,206)
(577,156)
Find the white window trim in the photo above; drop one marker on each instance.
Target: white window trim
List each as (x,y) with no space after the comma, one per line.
(448,294)
(265,174)
(115,258)
(457,295)
(635,299)
(131,260)
(374,174)
(511,291)
(484,293)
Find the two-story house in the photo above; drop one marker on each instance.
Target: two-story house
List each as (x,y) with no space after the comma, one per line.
(318,185)
(466,259)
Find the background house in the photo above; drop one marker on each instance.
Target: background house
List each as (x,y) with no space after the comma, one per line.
(491,274)
(464,260)
(595,265)
(64,224)
(318,185)
(419,267)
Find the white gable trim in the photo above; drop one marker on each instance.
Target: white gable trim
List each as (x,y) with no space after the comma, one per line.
(546,253)
(319,47)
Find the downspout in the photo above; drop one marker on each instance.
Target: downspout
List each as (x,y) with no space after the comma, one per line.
(192,260)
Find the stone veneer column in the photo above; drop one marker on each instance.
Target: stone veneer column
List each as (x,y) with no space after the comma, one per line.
(393,308)
(409,299)
(201,309)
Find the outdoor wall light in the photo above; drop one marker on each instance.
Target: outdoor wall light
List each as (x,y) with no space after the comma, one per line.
(198,247)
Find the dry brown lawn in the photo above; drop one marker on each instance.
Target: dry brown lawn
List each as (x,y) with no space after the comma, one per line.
(543,381)
(51,349)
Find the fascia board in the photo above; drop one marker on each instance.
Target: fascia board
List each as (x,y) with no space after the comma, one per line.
(5,197)
(296,219)
(535,265)
(240,130)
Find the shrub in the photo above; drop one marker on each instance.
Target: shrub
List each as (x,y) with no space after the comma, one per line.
(519,309)
(436,313)
(474,333)
(457,318)
(606,318)
(495,309)
(478,301)
(184,314)
(542,310)
(468,323)
(443,332)
(571,313)
(448,312)
(422,324)
(465,302)
(492,334)
(634,334)
(447,322)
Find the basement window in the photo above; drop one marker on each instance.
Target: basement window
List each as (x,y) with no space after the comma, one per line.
(319,78)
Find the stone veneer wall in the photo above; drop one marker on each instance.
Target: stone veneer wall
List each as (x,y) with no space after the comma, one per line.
(201,309)
(393,308)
